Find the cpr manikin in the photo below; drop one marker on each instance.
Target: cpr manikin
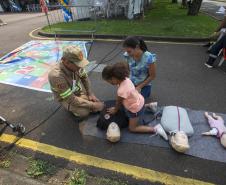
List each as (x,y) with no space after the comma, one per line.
(176,122)
(179,141)
(217,126)
(113,132)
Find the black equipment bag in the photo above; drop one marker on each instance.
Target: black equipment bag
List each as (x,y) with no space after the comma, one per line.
(119,118)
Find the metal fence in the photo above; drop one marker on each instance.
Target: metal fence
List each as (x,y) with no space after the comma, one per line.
(33,8)
(56,15)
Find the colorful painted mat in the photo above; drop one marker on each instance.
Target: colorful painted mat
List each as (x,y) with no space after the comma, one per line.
(28,65)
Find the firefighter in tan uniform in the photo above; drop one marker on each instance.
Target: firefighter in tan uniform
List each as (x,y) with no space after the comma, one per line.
(70,84)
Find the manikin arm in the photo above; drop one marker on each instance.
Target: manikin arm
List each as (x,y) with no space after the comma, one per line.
(212,132)
(209,117)
(217,117)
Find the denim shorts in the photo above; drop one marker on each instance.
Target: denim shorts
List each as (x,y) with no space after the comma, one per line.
(146,91)
(134,115)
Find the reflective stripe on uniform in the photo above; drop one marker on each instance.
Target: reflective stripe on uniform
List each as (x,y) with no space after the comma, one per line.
(212,56)
(77,87)
(66,93)
(82,73)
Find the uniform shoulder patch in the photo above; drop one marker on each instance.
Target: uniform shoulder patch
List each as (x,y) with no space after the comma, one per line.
(61,85)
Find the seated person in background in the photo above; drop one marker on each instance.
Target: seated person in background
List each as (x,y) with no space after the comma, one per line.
(215,49)
(218,34)
(130,98)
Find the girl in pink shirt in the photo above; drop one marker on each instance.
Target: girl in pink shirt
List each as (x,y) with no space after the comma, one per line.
(129,97)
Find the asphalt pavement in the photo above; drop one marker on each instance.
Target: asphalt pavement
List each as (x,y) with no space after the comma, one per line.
(182,79)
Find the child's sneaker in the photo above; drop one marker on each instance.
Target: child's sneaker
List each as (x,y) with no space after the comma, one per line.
(153,107)
(210,62)
(160,131)
(208,65)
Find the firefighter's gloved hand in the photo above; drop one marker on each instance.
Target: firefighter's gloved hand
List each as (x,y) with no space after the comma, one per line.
(112,110)
(97,106)
(93,98)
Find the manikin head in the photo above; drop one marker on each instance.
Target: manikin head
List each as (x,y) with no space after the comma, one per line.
(223,140)
(113,133)
(179,141)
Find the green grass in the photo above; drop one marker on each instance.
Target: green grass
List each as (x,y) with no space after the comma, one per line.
(78,177)
(165,19)
(81,177)
(5,163)
(38,168)
(6,159)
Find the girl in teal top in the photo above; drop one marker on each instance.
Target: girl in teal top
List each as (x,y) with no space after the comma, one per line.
(141,63)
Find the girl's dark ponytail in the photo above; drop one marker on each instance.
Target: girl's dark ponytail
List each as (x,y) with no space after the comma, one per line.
(142,45)
(133,42)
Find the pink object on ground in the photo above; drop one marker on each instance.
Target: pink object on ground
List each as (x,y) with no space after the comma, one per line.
(217,123)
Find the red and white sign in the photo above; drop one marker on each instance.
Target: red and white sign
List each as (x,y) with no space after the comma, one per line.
(43,6)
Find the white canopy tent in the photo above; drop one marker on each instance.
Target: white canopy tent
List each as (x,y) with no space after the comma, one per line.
(80,12)
(115,8)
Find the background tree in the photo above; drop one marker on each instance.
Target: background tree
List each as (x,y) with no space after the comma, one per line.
(194,7)
(184,4)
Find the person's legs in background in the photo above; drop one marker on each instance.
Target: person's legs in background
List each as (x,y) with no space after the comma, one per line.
(146,91)
(222,33)
(220,44)
(2,23)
